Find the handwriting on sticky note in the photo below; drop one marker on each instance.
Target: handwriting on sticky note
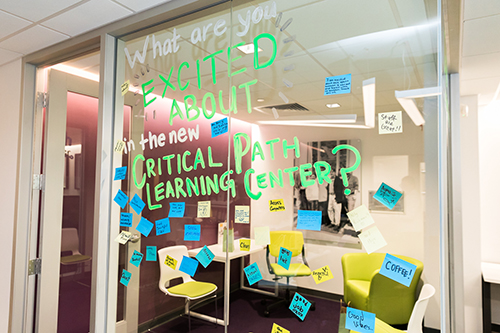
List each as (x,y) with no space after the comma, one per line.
(322,274)
(276,205)
(137,204)
(278,329)
(170,262)
(205,256)
(125,220)
(188,265)
(285,258)
(219,127)
(192,232)
(120,173)
(360,217)
(300,306)
(372,239)
(121,198)
(119,146)
(390,122)
(360,321)
(177,209)
(387,196)
(253,273)
(244,244)
(123,237)
(125,87)
(144,227)
(398,269)
(340,84)
(162,226)
(150,253)
(125,278)
(203,209)
(136,258)
(309,220)
(242,214)
(262,235)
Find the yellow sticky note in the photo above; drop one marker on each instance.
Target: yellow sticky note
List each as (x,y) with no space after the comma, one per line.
(125,87)
(262,236)
(119,146)
(322,274)
(372,239)
(278,329)
(276,205)
(170,262)
(204,209)
(244,244)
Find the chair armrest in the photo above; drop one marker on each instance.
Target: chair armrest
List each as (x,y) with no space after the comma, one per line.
(304,260)
(271,271)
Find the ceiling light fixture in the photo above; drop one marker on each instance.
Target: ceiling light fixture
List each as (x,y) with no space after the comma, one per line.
(260,100)
(248,48)
(369,102)
(333,105)
(406,99)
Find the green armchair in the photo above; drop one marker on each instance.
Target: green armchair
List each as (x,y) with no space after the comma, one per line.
(370,291)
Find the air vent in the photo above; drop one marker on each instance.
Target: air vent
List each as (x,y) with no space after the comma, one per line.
(282,108)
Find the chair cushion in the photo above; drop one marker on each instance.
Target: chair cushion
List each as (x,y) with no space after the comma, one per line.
(74,259)
(192,289)
(296,269)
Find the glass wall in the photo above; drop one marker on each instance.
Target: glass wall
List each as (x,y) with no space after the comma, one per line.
(275,151)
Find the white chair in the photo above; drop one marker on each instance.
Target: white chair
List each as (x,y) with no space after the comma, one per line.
(417,315)
(189,289)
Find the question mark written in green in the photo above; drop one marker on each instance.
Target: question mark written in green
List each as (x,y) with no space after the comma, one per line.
(345,171)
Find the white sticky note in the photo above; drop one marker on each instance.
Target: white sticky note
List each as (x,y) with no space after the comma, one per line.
(242,214)
(360,217)
(390,122)
(204,208)
(123,237)
(262,236)
(372,239)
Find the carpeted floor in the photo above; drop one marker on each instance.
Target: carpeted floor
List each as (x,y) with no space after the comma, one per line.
(246,315)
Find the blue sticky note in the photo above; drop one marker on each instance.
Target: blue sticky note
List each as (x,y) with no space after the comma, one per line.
(309,220)
(219,127)
(125,219)
(188,265)
(125,279)
(150,253)
(177,209)
(387,196)
(300,306)
(137,204)
(285,258)
(360,321)
(136,258)
(253,273)
(121,198)
(205,256)
(398,270)
(144,227)
(192,232)
(120,173)
(340,84)
(162,226)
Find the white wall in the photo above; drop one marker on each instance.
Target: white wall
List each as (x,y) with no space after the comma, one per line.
(404,233)
(489,183)
(10,97)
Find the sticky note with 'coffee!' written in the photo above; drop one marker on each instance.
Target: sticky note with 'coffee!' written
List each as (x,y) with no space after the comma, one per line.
(170,262)
(276,205)
(322,274)
(398,269)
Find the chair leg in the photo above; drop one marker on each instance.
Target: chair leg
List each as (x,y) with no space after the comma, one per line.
(216,310)
(188,310)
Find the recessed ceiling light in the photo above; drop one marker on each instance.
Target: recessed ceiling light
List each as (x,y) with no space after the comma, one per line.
(333,105)
(247,48)
(260,100)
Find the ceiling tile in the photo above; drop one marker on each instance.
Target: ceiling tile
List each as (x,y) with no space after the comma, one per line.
(480,66)
(480,8)
(35,10)
(32,39)
(481,36)
(7,56)
(10,24)
(86,17)
(138,6)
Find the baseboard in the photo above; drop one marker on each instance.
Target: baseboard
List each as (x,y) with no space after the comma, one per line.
(495,327)
(430,330)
